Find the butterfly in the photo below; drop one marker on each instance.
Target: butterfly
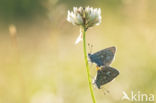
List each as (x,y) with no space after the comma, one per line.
(104,75)
(103,57)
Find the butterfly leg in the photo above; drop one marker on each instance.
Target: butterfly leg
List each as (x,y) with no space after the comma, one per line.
(105,91)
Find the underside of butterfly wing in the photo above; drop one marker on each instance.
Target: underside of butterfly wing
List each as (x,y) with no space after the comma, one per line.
(105,75)
(103,57)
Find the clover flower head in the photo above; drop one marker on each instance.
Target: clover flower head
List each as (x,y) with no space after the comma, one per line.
(85,17)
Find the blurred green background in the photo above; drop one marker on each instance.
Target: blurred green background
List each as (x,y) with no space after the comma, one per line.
(41,64)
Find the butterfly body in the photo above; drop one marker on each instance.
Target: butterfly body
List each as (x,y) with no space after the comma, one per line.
(103,57)
(104,75)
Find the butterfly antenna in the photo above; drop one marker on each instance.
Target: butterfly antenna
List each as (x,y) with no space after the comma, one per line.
(90,46)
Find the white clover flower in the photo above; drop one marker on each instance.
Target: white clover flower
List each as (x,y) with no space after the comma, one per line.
(85,17)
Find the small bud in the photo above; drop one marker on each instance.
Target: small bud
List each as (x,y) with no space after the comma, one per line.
(79,38)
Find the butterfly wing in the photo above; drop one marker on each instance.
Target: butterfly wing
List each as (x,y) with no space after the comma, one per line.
(103,57)
(105,75)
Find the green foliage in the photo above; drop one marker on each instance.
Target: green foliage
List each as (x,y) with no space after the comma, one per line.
(11,10)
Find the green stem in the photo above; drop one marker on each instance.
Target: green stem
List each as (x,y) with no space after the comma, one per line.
(87,68)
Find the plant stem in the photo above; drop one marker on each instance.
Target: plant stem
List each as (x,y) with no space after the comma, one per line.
(87,68)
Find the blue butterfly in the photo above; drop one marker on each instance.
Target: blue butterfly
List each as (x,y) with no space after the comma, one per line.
(104,75)
(103,57)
